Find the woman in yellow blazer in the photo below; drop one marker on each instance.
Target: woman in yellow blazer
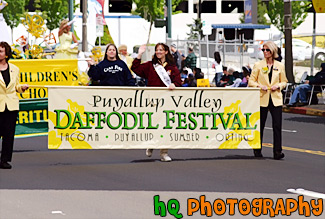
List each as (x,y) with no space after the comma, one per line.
(269,75)
(9,103)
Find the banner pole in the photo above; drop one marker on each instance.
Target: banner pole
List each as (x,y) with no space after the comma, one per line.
(36,86)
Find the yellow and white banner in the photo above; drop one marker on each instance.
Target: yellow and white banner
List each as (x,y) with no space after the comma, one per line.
(139,118)
(42,72)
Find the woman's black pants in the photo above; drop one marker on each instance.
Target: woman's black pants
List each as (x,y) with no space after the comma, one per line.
(276,113)
(7,133)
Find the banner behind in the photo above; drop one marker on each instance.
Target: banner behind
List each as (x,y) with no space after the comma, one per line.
(41,72)
(32,118)
(134,118)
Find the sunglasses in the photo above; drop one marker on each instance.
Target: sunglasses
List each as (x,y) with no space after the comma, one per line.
(267,50)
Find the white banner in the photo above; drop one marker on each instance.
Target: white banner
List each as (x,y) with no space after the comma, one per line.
(139,118)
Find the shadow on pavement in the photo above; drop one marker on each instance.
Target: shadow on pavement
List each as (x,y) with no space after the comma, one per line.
(228,157)
(317,120)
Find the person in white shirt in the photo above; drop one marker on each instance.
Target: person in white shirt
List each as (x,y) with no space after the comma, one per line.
(217,65)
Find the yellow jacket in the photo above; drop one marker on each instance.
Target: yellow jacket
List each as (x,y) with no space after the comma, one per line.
(128,60)
(260,77)
(8,95)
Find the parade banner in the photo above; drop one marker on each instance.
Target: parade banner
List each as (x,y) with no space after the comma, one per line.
(32,118)
(139,118)
(41,72)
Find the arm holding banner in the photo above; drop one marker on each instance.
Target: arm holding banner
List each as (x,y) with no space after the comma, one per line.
(282,78)
(20,88)
(254,77)
(175,76)
(255,80)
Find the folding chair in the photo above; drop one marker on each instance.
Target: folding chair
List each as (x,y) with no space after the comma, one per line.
(287,92)
(322,87)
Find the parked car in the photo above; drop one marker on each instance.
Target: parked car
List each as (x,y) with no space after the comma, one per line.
(301,50)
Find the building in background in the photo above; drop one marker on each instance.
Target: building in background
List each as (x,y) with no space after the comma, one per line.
(133,30)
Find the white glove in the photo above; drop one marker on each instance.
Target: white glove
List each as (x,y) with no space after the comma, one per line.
(73,45)
(71,22)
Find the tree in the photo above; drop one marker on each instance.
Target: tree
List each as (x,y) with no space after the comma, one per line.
(152,10)
(54,11)
(37,5)
(261,11)
(299,13)
(13,12)
(195,32)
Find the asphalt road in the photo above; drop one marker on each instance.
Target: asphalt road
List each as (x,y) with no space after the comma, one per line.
(122,183)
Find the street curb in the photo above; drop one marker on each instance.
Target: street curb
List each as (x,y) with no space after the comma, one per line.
(304,111)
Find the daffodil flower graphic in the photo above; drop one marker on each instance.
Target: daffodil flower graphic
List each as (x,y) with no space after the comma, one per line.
(253,135)
(265,70)
(55,136)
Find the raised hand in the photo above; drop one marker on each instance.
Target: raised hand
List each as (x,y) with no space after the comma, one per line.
(142,49)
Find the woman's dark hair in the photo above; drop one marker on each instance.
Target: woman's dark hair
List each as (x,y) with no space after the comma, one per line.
(169,58)
(108,45)
(7,50)
(279,51)
(236,74)
(198,73)
(197,70)
(185,72)
(217,57)
(191,82)
(246,71)
(224,68)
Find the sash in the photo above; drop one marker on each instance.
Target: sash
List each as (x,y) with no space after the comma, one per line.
(163,75)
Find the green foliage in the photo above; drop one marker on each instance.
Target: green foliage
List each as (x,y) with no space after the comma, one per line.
(54,11)
(195,29)
(261,11)
(149,9)
(13,12)
(299,13)
(76,35)
(37,5)
(195,33)
(152,10)
(106,39)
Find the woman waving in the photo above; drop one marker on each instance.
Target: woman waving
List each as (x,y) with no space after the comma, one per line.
(161,71)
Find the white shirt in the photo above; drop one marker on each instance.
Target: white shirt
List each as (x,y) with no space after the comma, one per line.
(217,67)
